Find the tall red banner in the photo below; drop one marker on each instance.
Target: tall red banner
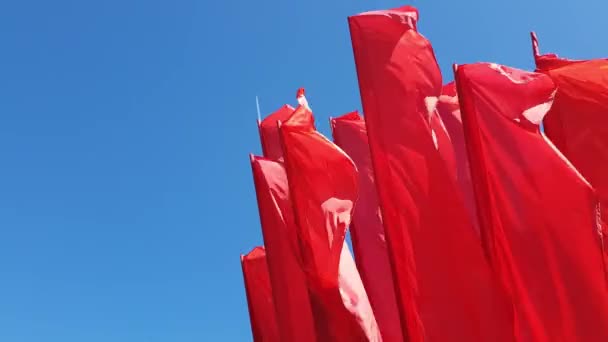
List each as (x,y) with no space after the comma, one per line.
(366,230)
(539,215)
(290,292)
(259,296)
(445,288)
(323,188)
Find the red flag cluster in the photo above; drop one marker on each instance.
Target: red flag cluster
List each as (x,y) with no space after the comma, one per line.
(468,223)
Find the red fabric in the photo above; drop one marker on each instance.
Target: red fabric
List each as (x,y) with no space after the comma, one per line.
(577,123)
(269,134)
(449,112)
(539,214)
(445,289)
(366,230)
(323,187)
(259,296)
(290,292)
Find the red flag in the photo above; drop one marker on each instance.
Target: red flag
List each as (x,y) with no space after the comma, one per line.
(539,214)
(269,135)
(259,296)
(323,187)
(366,231)
(577,123)
(445,288)
(290,292)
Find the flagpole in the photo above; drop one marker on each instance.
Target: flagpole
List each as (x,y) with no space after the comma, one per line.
(259,123)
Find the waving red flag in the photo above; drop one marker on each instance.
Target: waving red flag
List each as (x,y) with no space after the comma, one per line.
(539,214)
(259,296)
(444,285)
(290,292)
(577,123)
(366,230)
(323,187)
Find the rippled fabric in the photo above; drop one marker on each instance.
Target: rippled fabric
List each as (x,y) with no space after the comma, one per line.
(539,215)
(323,187)
(259,296)
(366,230)
(445,288)
(290,292)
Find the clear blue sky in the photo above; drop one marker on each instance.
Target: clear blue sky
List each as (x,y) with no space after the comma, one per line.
(125,188)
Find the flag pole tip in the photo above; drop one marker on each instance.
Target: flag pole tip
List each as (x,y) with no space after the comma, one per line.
(257,105)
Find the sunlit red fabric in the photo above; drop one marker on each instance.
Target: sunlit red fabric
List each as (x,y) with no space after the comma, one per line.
(323,187)
(366,230)
(539,214)
(259,296)
(445,289)
(290,292)
(269,134)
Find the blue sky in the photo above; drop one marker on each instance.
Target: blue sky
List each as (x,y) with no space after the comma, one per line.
(125,126)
